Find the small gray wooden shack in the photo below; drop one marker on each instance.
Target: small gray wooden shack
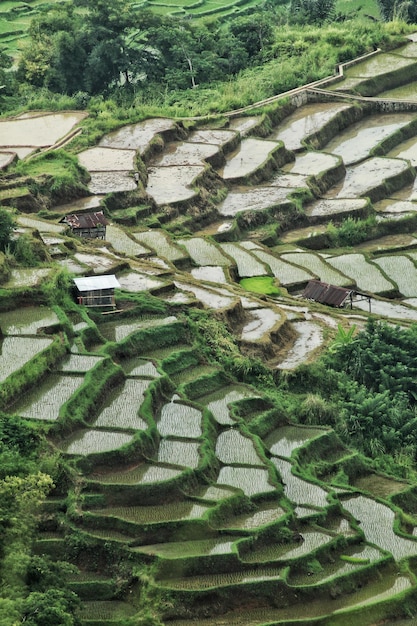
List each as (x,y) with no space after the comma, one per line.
(96,290)
(89,225)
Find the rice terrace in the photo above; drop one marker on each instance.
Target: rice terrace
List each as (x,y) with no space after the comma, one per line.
(208,364)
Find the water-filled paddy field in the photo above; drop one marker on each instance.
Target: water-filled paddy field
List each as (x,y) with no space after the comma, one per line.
(223,491)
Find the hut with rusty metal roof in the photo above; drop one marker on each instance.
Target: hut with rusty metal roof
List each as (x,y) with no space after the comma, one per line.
(88,225)
(333,295)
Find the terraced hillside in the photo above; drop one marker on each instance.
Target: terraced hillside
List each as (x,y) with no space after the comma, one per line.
(193,490)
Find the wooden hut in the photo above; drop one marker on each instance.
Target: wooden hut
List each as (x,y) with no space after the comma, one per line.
(88,225)
(333,295)
(96,290)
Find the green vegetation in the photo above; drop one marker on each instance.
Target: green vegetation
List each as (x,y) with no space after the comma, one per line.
(261,284)
(102,508)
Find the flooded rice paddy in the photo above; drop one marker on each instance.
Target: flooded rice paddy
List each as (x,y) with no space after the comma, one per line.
(95,442)
(356,142)
(17,351)
(265,514)
(250,155)
(361,556)
(156,514)
(121,242)
(251,480)
(136,136)
(306,121)
(27,320)
(158,242)
(118,331)
(362,179)
(247,199)
(139,367)
(168,185)
(261,322)
(233,448)
(210,298)
(79,363)
(142,475)
(376,520)
(180,420)
(286,273)
(135,281)
(26,134)
(185,154)
(204,252)
(183,453)
(311,541)
(45,402)
(218,402)
(209,581)
(318,266)
(107,159)
(174,177)
(313,163)
(337,207)
(26,277)
(297,490)
(367,276)
(401,271)
(309,338)
(122,406)
(210,274)
(284,440)
(247,264)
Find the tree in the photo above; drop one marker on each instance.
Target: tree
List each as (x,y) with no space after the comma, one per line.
(6,228)
(255,33)
(52,608)
(398,10)
(312,11)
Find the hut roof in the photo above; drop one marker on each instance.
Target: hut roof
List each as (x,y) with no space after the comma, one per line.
(325,293)
(96,283)
(85,220)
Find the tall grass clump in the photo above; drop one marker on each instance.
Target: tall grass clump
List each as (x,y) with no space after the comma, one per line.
(56,175)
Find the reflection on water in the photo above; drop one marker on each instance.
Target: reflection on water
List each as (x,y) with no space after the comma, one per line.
(27,320)
(309,337)
(251,154)
(355,143)
(282,441)
(305,121)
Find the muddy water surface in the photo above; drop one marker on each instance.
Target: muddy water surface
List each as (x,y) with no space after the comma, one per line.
(405,92)
(306,121)
(136,136)
(260,322)
(172,184)
(297,490)
(249,199)
(376,521)
(309,337)
(211,274)
(363,178)
(111,182)
(251,154)
(185,153)
(380,63)
(327,208)
(38,131)
(100,159)
(355,143)
(284,440)
(312,163)
(27,320)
